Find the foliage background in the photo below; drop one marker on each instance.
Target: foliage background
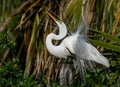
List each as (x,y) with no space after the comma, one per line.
(24,25)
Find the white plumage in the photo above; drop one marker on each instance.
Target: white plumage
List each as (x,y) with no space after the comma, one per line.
(75,44)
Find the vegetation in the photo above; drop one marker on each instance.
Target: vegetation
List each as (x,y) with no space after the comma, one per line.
(24,25)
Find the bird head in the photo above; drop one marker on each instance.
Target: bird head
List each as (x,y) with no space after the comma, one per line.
(56,20)
(61,25)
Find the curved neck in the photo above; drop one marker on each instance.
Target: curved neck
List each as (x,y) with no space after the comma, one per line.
(62,33)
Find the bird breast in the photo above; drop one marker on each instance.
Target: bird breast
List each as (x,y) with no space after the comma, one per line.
(69,42)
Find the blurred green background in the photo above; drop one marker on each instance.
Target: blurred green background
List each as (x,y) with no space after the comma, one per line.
(24,25)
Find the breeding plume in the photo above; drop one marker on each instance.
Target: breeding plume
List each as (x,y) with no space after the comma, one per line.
(74,44)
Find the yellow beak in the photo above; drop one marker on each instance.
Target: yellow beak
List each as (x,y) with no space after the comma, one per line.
(51,16)
(56,20)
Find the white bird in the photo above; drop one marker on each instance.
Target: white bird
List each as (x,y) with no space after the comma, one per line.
(74,44)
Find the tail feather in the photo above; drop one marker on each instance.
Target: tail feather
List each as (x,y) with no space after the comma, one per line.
(86,51)
(95,55)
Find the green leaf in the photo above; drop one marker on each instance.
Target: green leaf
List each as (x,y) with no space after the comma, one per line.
(106,45)
(113,63)
(73,13)
(108,36)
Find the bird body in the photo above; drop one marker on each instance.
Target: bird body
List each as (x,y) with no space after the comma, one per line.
(74,44)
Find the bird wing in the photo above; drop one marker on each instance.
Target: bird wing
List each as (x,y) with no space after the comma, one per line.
(86,51)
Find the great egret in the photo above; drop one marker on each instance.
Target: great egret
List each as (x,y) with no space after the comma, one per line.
(74,44)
